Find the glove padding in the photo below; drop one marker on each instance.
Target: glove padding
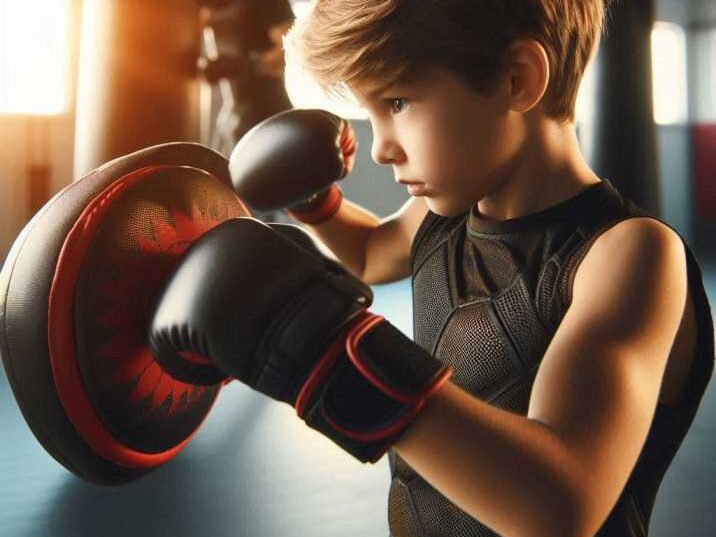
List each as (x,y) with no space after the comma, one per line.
(290,156)
(291,160)
(267,307)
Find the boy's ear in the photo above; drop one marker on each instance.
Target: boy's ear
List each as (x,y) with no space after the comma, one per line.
(528,74)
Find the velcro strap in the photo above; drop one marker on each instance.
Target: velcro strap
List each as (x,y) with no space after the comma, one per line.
(369,386)
(392,362)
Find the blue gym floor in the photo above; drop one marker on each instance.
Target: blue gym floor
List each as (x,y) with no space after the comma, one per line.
(255,470)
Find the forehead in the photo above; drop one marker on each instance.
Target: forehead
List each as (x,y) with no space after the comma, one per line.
(372,90)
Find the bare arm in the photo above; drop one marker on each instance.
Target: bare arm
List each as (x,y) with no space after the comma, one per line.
(560,470)
(375,250)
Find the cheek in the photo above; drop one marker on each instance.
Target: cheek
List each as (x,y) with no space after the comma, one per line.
(457,144)
(485,146)
(442,151)
(453,158)
(467,143)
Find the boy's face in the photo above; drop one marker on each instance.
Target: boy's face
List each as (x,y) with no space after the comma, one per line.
(444,136)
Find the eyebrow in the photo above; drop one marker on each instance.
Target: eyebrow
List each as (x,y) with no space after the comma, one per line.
(398,87)
(374,94)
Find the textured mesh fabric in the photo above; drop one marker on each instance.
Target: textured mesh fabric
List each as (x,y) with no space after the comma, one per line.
(516,397)
(432,281)
(436,515)
(488,296)
(473,345)
(402,515)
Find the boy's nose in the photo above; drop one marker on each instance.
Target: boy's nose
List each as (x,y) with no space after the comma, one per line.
(384,151)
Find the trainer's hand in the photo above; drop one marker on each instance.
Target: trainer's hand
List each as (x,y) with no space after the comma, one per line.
(291,161)
(266,307)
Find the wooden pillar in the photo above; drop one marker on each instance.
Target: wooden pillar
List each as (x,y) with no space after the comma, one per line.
(137,84)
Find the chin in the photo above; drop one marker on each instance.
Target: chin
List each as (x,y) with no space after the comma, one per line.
(447,209)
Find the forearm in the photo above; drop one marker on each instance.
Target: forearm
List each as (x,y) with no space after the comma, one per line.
(513,474)
(346,234)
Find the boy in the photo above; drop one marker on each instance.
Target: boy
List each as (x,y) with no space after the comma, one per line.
(575,326)
(472,105)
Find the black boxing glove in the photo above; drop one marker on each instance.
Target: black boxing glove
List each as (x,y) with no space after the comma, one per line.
(269,309)
(292,160)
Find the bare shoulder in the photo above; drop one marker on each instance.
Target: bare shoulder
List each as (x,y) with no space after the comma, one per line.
(635,258)
(630,245)
(389,244)
(640,228)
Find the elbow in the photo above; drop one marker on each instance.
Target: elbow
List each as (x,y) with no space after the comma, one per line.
(561,511)
(362,274)
(369,276)
(568,505)
(378,273)
(564,521)
(573,517)
(373,279)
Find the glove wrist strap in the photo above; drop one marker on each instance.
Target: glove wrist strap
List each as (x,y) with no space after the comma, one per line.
(324,209)
(368,387)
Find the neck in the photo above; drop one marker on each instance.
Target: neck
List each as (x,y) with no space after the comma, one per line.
(547,169)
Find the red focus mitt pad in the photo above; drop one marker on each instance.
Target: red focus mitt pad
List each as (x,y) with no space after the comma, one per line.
(76,292)
(369,386)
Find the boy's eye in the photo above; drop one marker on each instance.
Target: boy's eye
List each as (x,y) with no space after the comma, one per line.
(397,104)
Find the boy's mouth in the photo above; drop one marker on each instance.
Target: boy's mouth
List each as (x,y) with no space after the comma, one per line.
(415,188)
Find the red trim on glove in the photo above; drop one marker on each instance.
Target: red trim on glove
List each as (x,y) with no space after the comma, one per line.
(194,358)
(325,212)
(348,143)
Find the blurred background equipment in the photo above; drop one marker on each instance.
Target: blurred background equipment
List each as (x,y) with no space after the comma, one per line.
(244,87)
(625,147)
(242,66)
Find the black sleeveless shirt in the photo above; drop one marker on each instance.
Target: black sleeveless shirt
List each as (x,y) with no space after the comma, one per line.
(487,298)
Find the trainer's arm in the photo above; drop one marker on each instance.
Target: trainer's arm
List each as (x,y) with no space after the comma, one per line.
(375,250)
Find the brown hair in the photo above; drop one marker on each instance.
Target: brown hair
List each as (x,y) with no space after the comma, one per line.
(354,42)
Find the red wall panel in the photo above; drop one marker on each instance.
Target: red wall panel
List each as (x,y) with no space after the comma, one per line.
(704,154)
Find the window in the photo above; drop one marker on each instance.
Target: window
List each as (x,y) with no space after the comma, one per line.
(34,50)
(584,112)
(668,52)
